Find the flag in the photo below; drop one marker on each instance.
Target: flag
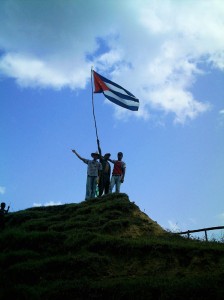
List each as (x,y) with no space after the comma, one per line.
(114,92)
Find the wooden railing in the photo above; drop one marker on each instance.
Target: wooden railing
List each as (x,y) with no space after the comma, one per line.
(199,230)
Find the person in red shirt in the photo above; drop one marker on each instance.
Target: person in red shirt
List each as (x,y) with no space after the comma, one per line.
(118,173)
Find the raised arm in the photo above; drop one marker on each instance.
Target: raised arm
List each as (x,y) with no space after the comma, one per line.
(83,159)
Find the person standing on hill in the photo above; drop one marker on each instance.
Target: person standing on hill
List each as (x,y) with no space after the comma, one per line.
(104,180)
(118,173)
(3,212)
(93,171)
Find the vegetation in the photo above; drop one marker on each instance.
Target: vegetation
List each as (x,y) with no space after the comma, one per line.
(104,248)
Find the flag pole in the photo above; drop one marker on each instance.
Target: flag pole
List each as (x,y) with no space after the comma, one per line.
(94,117)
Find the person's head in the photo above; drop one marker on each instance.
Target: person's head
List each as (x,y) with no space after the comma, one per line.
(95,155)
(3,205)
(107,155)
(120,155)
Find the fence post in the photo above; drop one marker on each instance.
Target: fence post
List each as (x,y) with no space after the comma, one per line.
(206,237)
(200,230)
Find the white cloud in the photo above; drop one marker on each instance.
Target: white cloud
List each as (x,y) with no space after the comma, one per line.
(37,204)
(2,190)
(153,48)
(31,72)
(221,118)
(221,216)
(51,203)
(173,226)
(183,226)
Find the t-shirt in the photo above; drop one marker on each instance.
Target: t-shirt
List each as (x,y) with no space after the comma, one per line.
(93,167)
(119,166)
(105,166)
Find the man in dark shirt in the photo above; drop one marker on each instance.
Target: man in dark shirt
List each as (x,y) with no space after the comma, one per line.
(104,179)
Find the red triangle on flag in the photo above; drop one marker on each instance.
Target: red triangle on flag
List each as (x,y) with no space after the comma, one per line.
(99,84)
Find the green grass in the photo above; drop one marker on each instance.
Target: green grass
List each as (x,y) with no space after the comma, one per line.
(103,248)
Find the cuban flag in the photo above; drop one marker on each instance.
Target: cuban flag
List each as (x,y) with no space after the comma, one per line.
(114,92)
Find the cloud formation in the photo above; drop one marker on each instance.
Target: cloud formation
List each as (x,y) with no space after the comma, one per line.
(2,190)
(173,226)
(51,203)
(221,117)
(221,216)
(157,48)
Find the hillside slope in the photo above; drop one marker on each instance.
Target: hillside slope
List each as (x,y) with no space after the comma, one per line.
(103,248)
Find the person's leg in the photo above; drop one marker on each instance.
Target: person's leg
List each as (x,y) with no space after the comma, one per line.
(118,184)
(106,184)
(88,187)
(93,186)
(112,183)
(101,185)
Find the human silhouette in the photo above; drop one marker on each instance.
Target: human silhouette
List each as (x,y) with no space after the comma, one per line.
(3,212)
(104,180)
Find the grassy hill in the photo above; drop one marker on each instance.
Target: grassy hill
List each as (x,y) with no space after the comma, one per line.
(104,248)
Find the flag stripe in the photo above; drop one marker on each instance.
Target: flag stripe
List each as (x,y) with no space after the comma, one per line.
(129,104)
(114,85)
(121,91)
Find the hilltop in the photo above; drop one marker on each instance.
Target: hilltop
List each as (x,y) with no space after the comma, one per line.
(103,248)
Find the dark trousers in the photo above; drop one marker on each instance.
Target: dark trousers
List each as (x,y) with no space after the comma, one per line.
(104,184)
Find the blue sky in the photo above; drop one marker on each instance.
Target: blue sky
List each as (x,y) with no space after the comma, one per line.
(169,54)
